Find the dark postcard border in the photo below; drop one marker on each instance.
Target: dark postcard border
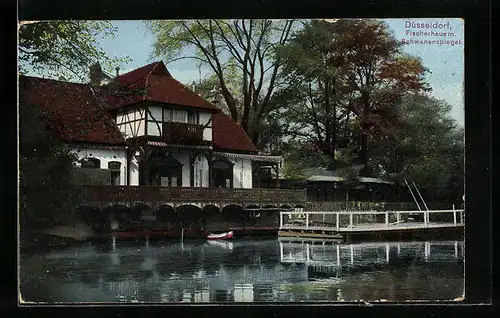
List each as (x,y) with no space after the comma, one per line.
(166,9)
(477,122)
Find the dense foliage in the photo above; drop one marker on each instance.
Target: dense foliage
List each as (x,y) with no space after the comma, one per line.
(427,148)
(53,49)
(47,193)
(64,49)
(345,81)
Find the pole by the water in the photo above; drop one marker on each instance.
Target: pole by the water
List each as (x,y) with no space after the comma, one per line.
(338,255)
(420,195)
(387,249)
(454,215)
(414,198)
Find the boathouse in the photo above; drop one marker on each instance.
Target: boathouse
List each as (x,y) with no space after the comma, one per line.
(146,141)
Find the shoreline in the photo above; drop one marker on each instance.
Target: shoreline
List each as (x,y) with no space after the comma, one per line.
(48,242)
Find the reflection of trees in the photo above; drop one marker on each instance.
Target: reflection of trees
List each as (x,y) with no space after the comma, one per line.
(211,268)
(88,271)
(406,281)
(186,262)
(164,269)
(263,292)
(142,274)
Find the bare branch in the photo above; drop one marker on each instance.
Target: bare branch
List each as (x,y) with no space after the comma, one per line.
(184,58)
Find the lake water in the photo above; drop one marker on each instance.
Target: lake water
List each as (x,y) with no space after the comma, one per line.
(264,270)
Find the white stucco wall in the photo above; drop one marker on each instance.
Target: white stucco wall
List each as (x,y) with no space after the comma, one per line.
(155,113)
(201,172)
(131,122)
(134,171)
(183,157)
(105,156)
(204,119)
(242,173)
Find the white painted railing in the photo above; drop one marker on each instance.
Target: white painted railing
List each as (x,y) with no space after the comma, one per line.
(307,216)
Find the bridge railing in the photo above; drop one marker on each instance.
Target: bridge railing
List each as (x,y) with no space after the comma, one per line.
(348,220)
(192,194)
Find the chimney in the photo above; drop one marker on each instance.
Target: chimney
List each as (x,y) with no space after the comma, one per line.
(95,74)
(193,87)
(117,71)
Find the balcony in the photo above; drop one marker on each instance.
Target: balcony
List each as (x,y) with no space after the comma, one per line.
(184,195)
(183,133)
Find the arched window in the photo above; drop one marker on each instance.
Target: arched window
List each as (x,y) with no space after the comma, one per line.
(91,163)
(115,169)
(165,171)
(222,173)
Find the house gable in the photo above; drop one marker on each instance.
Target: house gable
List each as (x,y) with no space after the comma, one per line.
(74,111)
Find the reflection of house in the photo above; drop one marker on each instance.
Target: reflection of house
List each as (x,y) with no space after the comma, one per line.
(146,128)
(243,293)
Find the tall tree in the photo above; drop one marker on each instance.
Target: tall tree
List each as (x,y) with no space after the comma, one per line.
(428,147)
(346,78)
(311,69)
(223,45)
(47,193)
(376,76)
(64,49)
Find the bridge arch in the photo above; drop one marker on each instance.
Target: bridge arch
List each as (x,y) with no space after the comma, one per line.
(211,209)
(233,213)
(270,206)
(189,214)
(252,206)
(141,210)
(166,213)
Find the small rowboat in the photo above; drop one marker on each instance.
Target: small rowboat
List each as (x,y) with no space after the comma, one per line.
(220,236)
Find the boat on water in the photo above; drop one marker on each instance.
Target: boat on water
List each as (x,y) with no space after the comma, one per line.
(220,236)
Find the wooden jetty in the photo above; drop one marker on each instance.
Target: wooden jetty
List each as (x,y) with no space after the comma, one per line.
(321,224)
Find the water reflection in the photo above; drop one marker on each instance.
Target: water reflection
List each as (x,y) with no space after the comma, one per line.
(245,271)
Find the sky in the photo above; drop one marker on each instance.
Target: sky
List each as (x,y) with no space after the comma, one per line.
(445,59)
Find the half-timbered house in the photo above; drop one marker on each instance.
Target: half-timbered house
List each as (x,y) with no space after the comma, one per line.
(157,142)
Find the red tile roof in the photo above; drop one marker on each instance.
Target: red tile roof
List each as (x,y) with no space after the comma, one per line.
(74,112)
(154,83)
(228,135)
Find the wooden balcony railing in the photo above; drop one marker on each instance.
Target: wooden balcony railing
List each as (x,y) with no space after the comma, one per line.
(182,133)
(163,194)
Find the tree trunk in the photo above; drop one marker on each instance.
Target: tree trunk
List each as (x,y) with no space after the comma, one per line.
(365,125)
(363,154)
